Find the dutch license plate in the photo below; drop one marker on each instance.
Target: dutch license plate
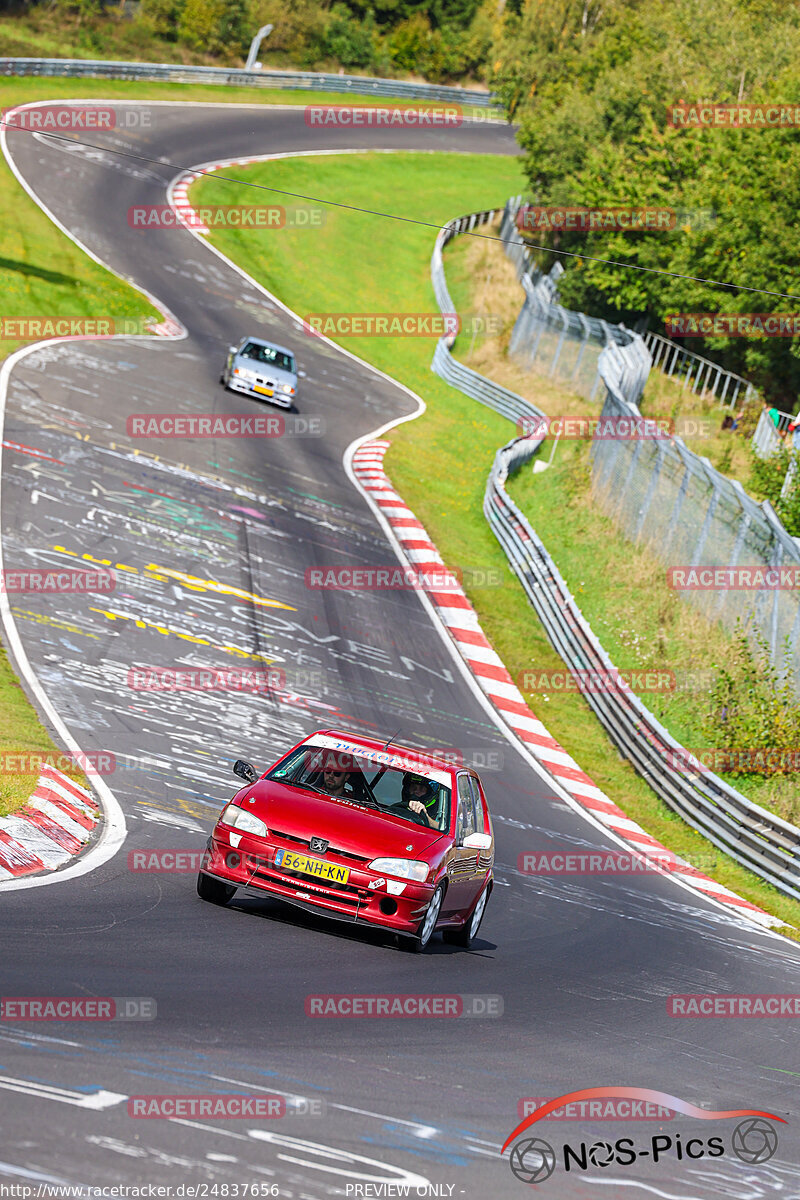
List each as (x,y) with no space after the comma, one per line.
(262,390)
(318,867)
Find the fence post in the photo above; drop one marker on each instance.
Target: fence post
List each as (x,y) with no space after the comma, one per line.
(712,507)
(651,487)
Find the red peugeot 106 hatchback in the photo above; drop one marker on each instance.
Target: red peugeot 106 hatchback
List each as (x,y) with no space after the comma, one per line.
(360,831)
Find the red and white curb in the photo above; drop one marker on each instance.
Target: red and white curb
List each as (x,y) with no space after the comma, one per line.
(461,621)
(55,825)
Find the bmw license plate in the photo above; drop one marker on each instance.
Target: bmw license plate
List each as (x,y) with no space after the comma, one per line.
(318,867)
(262,391)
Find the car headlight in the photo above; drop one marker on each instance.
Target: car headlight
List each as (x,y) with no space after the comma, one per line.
(287,388)
(244,373)
(406,868)
(240,818)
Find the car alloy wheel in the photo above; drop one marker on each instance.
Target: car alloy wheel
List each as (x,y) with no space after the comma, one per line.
(428,923)
(469,930)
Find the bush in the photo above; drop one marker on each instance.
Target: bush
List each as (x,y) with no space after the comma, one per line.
(162,16)
(766,481)
(753,706)
(408,43)
(216,26)
(352,43)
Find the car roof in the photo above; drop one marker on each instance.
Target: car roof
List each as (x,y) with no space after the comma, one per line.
(263,342)
(378,744)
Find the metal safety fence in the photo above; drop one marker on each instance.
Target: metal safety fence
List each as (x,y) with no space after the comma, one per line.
(699,374)
(314,81)
(562,344)
(754,837)
(659,491)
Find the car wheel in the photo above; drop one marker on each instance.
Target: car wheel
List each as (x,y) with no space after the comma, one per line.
(222,379)
(428,923)
(214,890)
(469,930)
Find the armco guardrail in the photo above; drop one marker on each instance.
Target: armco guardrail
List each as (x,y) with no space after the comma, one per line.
(507,403)
(358,85)
(754,837)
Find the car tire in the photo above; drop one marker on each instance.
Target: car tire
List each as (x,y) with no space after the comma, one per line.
(427,925)
(466,935)
(214,890)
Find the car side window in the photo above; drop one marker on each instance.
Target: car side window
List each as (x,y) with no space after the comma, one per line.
(466,808)
(480,824)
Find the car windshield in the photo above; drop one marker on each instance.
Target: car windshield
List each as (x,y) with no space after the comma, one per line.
(269,356)
(411,796)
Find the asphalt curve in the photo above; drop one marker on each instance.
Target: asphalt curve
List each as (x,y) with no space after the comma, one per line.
(583,966)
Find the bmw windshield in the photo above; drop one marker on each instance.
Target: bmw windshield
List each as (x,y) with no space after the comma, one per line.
(418,796)
(269,356)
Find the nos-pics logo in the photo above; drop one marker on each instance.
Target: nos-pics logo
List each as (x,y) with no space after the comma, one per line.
(533,1160)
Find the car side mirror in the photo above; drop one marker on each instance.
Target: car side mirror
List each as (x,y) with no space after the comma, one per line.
(232,349)
(477,841)
(245,771)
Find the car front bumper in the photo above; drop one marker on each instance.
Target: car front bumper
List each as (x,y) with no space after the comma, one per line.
(247,389)
(251,866)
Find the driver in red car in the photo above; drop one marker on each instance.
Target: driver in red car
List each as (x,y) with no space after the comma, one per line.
(420,796)
(335,776)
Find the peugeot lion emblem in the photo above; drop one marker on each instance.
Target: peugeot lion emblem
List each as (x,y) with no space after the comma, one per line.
(319,845)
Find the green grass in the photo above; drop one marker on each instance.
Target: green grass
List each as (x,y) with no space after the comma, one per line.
(43,273)
(20,734)
(454,443)
(44,32)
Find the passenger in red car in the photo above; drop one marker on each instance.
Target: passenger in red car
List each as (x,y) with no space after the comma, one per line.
(419,795)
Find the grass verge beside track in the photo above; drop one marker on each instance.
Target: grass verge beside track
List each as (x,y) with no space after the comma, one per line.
(440,462)
(21,735)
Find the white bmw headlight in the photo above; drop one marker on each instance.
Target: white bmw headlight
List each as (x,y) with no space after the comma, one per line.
(240,818)
(287,388)
(405,868)
(243,373)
